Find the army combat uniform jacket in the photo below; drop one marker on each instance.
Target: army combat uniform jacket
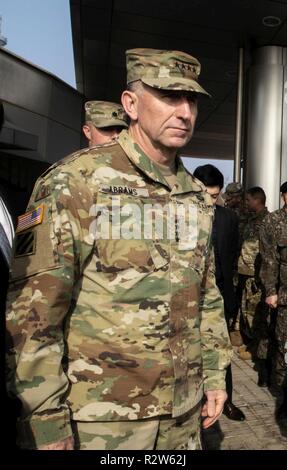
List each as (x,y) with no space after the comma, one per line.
(273,248)
(249,260)
(112,327)
(243,216)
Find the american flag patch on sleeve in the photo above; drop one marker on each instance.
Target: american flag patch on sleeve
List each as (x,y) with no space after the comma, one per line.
(30,219)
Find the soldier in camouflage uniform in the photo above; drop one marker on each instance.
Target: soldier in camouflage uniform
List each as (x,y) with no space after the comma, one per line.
(273,248)
(234,200)
(253,308)
(104,121)
(115,331)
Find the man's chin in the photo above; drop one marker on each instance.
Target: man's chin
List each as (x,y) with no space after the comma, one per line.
(178,142)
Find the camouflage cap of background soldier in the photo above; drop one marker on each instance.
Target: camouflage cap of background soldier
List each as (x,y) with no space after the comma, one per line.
(166,70)
(106,114)
(233,189)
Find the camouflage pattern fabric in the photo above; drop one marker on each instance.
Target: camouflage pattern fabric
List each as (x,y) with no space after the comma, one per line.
(264,325)
(148,434)
(249,259)
(273,273)
(281,352)
(243,215)
(253,308)
(167,70)
(105,114)
(273,248)
(255,321)
(111,329)
(234,188)
(254,311)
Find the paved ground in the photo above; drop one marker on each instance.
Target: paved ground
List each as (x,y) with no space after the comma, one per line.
(259,431)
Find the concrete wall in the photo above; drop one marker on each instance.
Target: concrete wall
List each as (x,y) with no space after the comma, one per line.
(42,105)
(42,124)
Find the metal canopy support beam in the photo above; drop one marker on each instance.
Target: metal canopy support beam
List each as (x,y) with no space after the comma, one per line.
(238,131)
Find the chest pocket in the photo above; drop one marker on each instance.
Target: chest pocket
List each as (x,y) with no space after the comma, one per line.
(203,242)
(125,237)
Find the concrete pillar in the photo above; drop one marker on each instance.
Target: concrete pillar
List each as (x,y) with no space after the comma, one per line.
(266,157)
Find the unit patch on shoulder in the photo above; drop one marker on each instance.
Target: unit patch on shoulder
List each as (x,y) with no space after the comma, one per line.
(43,191)
(25,244)
(30,219)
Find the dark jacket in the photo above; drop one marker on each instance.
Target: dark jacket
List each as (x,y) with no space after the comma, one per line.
(225,241)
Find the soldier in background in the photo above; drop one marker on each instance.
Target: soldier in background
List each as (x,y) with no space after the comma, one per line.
(116,337)
(234,200)
(104,121)
(273,272)
(225,244)
(253,308)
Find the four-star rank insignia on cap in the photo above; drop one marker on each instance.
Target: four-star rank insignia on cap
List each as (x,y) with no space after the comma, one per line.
(30,219)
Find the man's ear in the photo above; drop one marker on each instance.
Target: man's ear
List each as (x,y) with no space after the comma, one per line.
(130,104)
(87,131)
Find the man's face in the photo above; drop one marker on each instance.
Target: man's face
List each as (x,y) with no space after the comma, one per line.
(233,200)
(166,118)
(99,136)
(284,197)
(214,192)
(251,203)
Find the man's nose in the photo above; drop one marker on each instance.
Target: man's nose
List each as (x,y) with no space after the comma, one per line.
(183,110)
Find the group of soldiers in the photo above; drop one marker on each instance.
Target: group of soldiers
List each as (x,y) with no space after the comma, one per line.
(121,343)
(259,328)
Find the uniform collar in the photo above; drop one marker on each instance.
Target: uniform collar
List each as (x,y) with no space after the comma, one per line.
(185,182)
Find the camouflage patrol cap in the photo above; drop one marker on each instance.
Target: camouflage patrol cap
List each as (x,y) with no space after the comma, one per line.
(167,70)
(105,114)
(233,189)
